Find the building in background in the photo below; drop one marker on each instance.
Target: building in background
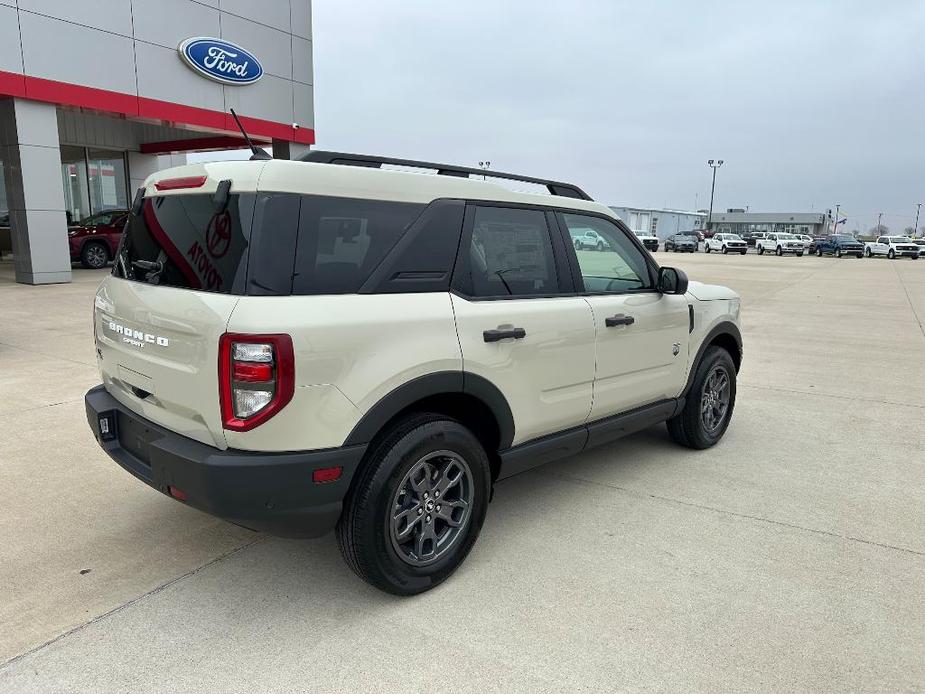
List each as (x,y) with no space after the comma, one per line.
(660,222)
(741,222)
(95,96)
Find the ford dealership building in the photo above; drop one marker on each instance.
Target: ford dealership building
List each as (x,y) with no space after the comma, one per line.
(94,96)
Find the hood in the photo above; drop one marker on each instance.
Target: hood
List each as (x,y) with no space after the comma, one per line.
(710,292)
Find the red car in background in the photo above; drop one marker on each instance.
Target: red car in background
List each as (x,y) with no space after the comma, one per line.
(94,240)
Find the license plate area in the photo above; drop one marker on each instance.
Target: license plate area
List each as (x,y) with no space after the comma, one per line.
(136,438)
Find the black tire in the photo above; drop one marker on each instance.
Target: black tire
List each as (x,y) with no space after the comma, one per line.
(859,255)
(94,255)
(760,250)
(365,531)
(819,252)
(725,250)
(891,254)
(799,254)
(780,251)
(838,252)
(868,253)
(600,245)
(706,248)
(688,427)
(577,245)
(744,252)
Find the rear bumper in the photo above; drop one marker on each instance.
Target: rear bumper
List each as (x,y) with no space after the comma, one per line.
(270,492)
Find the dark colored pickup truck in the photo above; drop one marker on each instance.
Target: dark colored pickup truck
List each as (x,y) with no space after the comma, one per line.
(839,245)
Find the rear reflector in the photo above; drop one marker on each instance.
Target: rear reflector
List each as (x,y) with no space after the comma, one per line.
(327,474)
(184,182)
(251,372)
(178,494)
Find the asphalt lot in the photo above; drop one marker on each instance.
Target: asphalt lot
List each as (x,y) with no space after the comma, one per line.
(791,557)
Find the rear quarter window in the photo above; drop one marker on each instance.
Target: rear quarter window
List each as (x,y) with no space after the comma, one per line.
(342,240)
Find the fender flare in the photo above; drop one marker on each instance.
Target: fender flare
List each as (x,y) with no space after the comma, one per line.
(721,328)
(437,383)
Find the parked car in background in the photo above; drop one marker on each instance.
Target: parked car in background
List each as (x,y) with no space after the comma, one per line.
(94,240)
(806,239)
(815,241)
(751,237)
(588,238)
(893,247)
(681,242)
(780,243)
(839,245)
(726,243)
(708,233)
(648,240)
(693,232)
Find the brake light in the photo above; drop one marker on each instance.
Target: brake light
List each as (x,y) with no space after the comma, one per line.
(183,182)
(256,378)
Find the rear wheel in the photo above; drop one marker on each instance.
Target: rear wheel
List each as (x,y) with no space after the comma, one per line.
(94,255)
(709,404)
(417,506)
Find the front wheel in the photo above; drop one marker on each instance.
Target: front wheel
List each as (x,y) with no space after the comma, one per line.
(760,250)
(838,252)
(780,251)
(891,254)
(577,245)
(600,246)
(725,250)
(706,248)
(799,254)
(709,404)
(417,506)
(859,255)
(744,252)
(819,252)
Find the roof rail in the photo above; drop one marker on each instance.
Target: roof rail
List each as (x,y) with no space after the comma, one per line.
(566,190)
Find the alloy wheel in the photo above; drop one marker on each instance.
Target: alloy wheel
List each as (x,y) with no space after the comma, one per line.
(714,401)
(431,509)
(95,256)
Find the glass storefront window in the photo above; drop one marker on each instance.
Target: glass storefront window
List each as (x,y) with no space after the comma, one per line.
(95,180)
(108,189)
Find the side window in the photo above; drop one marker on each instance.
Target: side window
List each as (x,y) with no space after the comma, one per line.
(619,266)
(510,254)
(881,240)
(342,240)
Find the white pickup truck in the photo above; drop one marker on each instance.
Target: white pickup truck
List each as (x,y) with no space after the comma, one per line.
(892,247)
(780,243)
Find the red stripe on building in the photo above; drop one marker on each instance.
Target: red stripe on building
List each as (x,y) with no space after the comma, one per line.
(133,106)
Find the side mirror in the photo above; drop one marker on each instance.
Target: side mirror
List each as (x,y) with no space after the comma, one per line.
(672,281)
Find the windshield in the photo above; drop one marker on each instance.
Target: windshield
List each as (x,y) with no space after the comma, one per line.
(845,239)
(786,237)
(732,237)
(900,239)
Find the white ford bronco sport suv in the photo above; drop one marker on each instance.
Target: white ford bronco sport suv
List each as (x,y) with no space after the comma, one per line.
(299,346)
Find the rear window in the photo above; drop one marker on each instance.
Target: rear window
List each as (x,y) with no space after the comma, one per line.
(186,241)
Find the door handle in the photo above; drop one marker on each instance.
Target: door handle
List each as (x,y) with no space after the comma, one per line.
(496,335)
(619,319)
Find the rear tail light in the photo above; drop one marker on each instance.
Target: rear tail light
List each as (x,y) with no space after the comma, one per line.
(256,378)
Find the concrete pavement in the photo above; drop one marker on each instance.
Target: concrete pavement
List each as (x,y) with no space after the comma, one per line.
(789,558)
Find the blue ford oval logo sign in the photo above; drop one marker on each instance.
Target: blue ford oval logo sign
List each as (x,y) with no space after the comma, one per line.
(220,60)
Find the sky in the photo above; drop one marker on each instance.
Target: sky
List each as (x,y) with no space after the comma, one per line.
(808,103)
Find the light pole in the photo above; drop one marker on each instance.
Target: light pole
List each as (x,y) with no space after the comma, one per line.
(879,217)
(484,166)
(915,229)
(713,164)
(835,227)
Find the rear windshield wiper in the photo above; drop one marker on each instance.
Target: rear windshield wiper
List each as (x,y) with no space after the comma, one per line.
(152,268)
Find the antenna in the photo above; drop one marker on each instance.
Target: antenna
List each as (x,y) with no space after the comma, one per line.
(258,152)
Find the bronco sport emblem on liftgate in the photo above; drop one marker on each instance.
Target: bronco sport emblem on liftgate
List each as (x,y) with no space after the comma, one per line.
(137,338)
